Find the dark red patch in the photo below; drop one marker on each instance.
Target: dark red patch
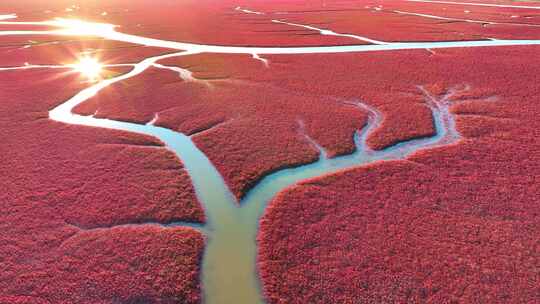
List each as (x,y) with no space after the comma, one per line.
(63,186)
(457,224)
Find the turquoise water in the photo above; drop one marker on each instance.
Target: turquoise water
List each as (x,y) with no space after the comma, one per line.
(229,269)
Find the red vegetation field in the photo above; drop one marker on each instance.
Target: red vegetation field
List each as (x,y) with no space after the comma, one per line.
(386,21)
(195,21)
(64,186)
(218,22)
(62,264)
(453,224)
(61,51)
(482,13)
(83,208)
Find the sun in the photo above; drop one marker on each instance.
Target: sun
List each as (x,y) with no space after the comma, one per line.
(89,67)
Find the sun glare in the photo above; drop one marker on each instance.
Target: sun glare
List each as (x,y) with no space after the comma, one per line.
(82,28)
(89,67)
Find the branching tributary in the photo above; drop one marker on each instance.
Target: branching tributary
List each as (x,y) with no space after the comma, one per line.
(229,267)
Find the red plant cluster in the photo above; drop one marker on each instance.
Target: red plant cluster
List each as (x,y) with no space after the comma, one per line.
(380,21)
(457,223)
(72,197)
(413,122)
(204,22)
(401,232)
(62,50)
(472,12)
(213,22)
(116,265)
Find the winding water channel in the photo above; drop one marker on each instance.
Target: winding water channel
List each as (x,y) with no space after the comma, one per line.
(229,268)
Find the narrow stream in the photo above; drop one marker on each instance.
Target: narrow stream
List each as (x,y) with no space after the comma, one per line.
(230,264)
(229,268)
(72,27)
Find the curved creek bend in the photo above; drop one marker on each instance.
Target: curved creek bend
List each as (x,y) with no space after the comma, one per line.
(229,266)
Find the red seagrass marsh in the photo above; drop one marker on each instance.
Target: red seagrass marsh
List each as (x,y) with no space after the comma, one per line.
(269,151)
